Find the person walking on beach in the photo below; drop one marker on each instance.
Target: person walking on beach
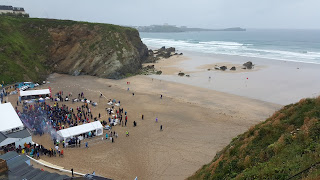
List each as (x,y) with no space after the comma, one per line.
(161,127)
(87,145)
(161,96)
(127,133)
(142,117)
(156,120)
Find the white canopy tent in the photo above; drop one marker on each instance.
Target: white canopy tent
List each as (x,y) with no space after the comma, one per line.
(81,129)
(9,119)
(34,92)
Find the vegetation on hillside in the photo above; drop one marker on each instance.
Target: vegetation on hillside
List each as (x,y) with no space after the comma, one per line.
(285,146)
(21,55)
(26,52)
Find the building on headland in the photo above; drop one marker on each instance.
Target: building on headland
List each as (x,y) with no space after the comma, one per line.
(11,10)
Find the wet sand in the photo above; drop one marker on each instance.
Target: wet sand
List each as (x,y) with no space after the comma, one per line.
(197,123)
(275,81)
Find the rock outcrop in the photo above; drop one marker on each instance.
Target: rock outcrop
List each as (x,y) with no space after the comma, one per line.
(181,74)
(248,65)
(163,52)
(34,48)
(96,50)
(223,68)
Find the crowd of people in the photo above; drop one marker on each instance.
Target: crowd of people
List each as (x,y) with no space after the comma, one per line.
(53,115)
(41,117)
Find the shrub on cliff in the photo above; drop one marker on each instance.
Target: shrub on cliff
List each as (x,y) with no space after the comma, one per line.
(285,145)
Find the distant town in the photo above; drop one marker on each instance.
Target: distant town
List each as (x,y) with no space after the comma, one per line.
(173,28)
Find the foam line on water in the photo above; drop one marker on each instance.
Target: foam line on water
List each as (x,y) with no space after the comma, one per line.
(235,48)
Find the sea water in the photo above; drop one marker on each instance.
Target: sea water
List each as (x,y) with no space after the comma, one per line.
(281,78)
(288,45)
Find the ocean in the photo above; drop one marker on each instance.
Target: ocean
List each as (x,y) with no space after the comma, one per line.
(288,45)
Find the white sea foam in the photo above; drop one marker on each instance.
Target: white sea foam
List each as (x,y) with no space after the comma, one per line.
(235,48)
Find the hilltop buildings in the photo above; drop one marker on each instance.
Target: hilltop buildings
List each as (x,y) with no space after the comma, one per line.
(11,10)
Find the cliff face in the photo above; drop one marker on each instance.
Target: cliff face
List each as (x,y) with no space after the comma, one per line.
(38,47)
(96,50)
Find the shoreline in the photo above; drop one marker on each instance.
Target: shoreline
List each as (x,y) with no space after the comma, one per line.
(274,81)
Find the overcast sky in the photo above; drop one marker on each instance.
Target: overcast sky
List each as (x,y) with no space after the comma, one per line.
(284,14)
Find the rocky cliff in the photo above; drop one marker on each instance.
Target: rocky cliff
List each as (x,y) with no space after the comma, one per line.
(30,49)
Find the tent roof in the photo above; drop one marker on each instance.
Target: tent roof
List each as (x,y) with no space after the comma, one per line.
(76,130)
(34,92)
(2,137)
(19,169)
(8,141)
(9,155)
(19,134)
(9,119)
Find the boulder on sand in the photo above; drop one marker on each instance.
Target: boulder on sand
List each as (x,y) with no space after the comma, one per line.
(223,68)
(248,65)
(180,74)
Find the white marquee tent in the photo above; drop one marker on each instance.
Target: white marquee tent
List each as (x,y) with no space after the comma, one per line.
(81,129)
(11,127)
(34,92)
(9,119)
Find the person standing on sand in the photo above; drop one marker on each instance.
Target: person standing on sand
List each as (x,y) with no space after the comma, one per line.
(127,133)
(161,127)
(87,145)
(142,117)
(161,96)
(156,120)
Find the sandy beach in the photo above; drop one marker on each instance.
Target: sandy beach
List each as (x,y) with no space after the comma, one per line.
(199,115)
(197,123)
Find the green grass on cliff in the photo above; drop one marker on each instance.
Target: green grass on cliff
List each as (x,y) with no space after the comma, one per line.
(284,146)
(21,54)
(25,45)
